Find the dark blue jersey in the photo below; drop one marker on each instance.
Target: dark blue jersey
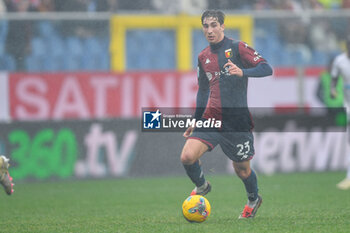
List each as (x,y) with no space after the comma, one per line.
(222,96)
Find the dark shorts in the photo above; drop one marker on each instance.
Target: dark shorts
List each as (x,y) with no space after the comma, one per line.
(237,146)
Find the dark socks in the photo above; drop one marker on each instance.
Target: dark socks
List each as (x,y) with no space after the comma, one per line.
(251,186)
(194,171)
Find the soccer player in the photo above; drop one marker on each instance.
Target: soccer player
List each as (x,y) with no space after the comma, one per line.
(223,70)
(341,67)
(5,178)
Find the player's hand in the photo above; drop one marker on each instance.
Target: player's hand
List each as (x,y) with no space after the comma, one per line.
(188,132)
(232,69)
(333,93)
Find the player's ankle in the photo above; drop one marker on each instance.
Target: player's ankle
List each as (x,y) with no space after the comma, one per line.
(202,187)
(251,204)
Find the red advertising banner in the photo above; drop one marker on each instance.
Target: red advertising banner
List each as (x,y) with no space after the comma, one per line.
(97,95)
(42,96)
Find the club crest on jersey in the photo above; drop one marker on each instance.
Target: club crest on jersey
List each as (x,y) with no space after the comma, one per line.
(228,53)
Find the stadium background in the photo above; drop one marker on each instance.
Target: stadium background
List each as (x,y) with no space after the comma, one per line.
(75,75)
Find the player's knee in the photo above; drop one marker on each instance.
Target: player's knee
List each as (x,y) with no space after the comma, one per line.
(188,158)
(243,173)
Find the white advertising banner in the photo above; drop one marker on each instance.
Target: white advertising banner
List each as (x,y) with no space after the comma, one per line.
(4,97)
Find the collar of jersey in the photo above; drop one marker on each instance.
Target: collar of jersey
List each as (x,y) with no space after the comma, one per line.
(216,46)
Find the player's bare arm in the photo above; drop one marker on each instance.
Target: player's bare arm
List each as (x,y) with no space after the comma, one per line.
(334,82)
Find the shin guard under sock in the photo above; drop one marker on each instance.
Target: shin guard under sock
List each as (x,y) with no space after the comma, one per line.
(194,171)
(251,186)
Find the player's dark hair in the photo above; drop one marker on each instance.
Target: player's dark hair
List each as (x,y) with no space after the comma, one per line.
(219,15)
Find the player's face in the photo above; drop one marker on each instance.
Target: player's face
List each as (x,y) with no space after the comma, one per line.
(213,30)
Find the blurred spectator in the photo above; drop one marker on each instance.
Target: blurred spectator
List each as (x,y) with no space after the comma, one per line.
(82,5)
(287,5)
(262,5)
(346,4)
(20,5)
(182,6)
(295,35)
(86,5)
(322,37)
(112,5)
(312,4)
(82,28)
(135,5)
(19,32)
(2,7)
(323,91)
(46,5)
(331,4)
(294,31)
(231,4)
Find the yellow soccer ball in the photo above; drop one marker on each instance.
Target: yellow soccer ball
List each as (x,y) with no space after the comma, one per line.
(196,208)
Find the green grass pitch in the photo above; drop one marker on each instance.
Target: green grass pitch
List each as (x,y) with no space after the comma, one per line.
(300,202)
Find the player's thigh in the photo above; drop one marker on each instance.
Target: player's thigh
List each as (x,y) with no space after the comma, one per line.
(239,146)
(193,150)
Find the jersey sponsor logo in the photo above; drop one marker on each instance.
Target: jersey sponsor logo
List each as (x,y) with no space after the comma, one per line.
(257,56)
(228,53)
(151,120)
(209,75)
